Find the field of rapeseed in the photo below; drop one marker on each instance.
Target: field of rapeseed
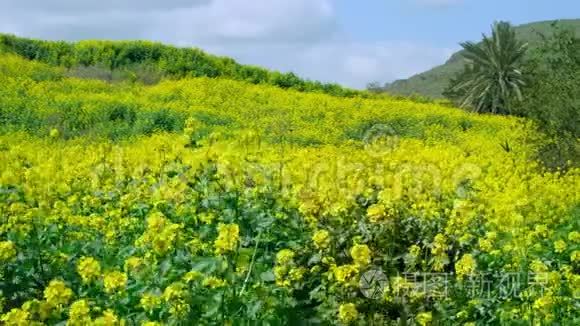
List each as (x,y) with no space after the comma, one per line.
(208,201)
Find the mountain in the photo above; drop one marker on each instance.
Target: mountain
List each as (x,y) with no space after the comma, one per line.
(432,83)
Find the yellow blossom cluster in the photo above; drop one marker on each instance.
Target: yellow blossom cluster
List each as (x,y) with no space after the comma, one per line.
(114,281)
(7,250)
(321,239)
(89,269)
(228,237)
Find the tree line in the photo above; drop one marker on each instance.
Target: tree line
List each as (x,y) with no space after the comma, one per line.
(503,76)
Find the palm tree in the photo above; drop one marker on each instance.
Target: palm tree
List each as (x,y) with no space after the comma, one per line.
(492,77)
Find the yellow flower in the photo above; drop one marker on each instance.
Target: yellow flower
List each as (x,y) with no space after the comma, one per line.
(541,230)
(191,124)
(439,245)
(574,236)
(345,273)
(575,285)
(376,212)
(179,308)
(133,264)
(156,222)
(7,251)
(486,245)
(115,281)
(492,235)
(79,313)
(192,276)
(575,256)
(174,295)
(424,318)
(280,273)
(16,317)
(415,251)
(175,291)
(560,246)
(160,235)
(89,269)
(285,257)
(54,133)
(207,218)
(544,304)
(108,319)
(44,310)
(296,274)
(347,313)
(462,314)
(57,293)
(465,266)
(228,237)
(149,302)
(151,323)
(465,239)
(361,254)
(321,239)
(196,246)
(213,282)
(538,267)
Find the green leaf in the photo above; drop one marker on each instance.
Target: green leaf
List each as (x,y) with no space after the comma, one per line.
(267,276)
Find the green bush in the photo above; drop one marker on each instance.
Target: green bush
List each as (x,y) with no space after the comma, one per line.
(552,96)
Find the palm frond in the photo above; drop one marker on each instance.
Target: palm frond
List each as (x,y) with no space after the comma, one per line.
(492,76)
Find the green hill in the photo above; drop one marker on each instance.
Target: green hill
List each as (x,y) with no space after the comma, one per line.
(150,62)
(431,83)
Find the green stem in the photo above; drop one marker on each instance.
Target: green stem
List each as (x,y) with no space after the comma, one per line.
(251,264)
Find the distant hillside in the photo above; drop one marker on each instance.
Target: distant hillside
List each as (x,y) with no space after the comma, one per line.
(149,62)
(433,82)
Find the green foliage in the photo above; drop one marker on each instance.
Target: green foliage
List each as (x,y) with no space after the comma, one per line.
(492,79)
(228,203)
(552,97)
(432,83)
(148,62)
(88,107)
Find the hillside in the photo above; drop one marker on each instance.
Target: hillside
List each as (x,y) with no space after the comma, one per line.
(433,82)
(37,97)
(150,62)
(216,201)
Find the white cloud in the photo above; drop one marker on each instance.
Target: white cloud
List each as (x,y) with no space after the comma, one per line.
(259,20)
(299,35)
(80,7)
(173,20)
(349,63)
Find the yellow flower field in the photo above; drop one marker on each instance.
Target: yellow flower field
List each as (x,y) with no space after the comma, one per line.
(209,201)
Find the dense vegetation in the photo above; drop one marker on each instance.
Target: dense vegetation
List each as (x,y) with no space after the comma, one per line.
(552,97)
(501,76)
(492,80)
(148,62)
(211,201)
(433,82)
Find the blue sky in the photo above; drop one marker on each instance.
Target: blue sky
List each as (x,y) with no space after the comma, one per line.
(345,41)
(444,22)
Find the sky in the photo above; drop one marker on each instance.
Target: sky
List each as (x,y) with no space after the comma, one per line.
(345,41)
